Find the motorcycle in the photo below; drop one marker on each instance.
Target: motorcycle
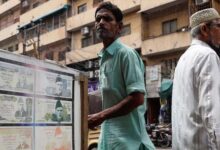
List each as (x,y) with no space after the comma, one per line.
(160,135)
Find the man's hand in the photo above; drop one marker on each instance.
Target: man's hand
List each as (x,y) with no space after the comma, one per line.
(95,120)
(124,107)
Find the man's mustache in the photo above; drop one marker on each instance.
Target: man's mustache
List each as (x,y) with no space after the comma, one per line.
(100,28)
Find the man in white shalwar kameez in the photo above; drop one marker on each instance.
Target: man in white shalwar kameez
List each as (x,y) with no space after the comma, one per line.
(196,88)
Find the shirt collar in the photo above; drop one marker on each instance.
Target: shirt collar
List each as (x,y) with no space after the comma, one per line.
(197,41)
(111,49)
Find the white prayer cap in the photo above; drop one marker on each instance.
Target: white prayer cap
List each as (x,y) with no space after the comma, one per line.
(202,16)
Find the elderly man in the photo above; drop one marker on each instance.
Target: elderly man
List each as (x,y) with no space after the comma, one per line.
(196,88)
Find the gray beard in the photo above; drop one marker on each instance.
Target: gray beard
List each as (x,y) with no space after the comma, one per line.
(215,48)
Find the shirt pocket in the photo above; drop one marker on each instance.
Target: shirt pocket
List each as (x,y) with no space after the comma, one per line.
(106,76)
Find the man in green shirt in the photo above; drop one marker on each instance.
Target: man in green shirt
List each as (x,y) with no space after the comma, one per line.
(122,87)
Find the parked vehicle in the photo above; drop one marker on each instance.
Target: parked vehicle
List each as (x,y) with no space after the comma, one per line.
(95,105)
(160,135)
(93,138)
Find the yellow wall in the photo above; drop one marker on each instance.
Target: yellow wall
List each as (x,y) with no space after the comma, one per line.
(157,59)
(156,20)
(9,32)
(41,10)
(133,19)
(76,40)
(8,5)
(89,4)
(149,4)
(77,21)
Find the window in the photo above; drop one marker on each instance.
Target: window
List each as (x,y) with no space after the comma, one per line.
(87,41)
(4,22)
(95,38)
(43,27)
(3,1)
(126,29)
(95,2)
(31,33)
(16,19)
(49,24)
(30,53)
(11,49)
(61,55)
(36,4)
(16,47)
(82,8)
(62,19)
(169,26)
(204,5)
(49,55)
(56,21)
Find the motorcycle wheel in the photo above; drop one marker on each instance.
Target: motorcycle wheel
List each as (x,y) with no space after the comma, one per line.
(164,142)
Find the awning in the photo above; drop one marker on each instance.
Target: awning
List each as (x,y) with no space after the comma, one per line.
(166,89)
(38,19)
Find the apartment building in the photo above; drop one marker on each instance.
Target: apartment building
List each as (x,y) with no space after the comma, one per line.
(9,21)
(63,30)
(165,36)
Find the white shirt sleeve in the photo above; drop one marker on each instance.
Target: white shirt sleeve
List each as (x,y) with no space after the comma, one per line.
(208,83)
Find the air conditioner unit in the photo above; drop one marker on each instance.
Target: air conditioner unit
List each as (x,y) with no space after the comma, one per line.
(199,2)
(96,64)
(90,74)
(96,74)
(25,3)
(85,31)
(88,64)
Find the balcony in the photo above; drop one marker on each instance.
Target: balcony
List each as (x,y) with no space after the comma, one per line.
(9,32)
(86,53)
(53,36)
(133,40)
(90,52)
(156,5)
(128,5)
(76,22)
(8,5)
(48,38)
(42,10)
(166,43)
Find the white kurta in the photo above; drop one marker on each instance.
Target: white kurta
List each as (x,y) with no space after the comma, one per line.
(196,99)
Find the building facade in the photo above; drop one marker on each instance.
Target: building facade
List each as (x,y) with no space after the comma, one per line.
(63,31)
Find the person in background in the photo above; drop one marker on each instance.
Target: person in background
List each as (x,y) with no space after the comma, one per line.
(196,87)
(122,87)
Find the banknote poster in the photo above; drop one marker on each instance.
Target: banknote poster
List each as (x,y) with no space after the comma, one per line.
(53,111)
(16,138)
(16,109)
(53,138)
(16,78)
(52,84)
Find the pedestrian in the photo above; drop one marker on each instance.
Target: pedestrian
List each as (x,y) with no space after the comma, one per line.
(122,87)
(196,88)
